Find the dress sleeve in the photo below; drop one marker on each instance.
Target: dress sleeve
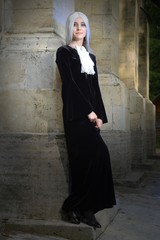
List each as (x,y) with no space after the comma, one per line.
(99,108)
(75,104)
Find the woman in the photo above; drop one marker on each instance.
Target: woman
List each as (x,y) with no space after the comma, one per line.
(83,114)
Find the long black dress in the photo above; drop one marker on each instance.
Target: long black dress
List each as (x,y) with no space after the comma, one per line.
(90,169)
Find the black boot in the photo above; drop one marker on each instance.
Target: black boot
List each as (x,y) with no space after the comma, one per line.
(90,219)
(70,216)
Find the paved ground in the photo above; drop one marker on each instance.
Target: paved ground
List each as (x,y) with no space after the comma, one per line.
(138,217)
(28,237)
(139,214)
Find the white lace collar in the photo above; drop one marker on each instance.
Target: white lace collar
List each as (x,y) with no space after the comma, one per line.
(86,62)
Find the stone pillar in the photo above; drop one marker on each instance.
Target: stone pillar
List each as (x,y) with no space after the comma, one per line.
(143,67)
(150,128)
(137,109)
(132,59)
(33,160)
(143,82)
(135,64)
(128,41)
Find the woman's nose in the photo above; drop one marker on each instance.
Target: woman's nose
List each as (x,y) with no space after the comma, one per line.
(78,26)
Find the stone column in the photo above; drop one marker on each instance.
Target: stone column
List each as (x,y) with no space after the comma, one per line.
(133,70)
(143,82)
(143,67)
(33,159)
(128,42)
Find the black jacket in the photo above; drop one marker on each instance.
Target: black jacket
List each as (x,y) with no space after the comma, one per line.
(80,92)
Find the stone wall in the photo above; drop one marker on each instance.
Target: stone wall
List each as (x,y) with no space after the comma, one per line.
(33,175)
(30,91)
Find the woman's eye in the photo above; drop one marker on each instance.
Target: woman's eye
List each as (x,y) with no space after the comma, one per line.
(83,24)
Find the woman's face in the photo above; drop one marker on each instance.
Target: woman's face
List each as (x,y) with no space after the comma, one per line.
(79,29)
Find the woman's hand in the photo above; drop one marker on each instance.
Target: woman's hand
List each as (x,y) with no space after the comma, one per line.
(98,123)
(92,117)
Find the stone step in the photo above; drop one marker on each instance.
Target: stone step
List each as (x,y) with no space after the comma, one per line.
(132,179)
(60,228)
(28,236)
(148,165)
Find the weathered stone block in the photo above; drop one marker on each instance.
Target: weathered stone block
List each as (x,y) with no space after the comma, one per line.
(138,147)
(115,96)
(31,16)
(133,104)
(32,21)
(150,119)
(101,7)
(102,51)
(1,4)
(128,74)
(33,175)
(29,80)
(32,4)
(110,27)
(150,114)
(31,111)
(137,110)
(30,60)
(118,143)
(96,26)
(84,6)
(13,69)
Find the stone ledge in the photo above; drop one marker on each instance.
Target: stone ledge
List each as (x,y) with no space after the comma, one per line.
(132,179)
(148,165)
(30,42)
(28,236)
(60,228)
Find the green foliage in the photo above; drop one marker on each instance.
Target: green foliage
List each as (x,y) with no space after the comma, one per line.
(153,12)
(154,84)
(154,54)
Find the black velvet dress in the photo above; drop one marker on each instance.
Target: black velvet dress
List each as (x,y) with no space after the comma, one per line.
(90,169)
